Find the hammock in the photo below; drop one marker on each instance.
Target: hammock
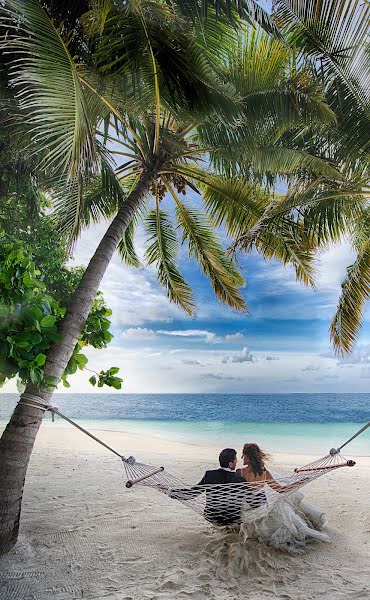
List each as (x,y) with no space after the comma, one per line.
(222,504)
(225,504)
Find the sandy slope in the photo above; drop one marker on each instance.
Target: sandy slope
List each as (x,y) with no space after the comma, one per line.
(84,535)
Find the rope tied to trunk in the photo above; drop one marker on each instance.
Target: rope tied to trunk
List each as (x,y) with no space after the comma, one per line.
(42,404)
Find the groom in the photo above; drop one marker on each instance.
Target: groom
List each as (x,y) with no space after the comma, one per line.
(223,504)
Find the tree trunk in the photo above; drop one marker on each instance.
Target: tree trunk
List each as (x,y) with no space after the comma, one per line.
(19,436)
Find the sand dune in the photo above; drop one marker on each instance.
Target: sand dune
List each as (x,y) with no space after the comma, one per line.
(84,535)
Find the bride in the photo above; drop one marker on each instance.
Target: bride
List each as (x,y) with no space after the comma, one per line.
(286,522)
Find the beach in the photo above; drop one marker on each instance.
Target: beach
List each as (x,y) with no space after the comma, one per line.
(84,535)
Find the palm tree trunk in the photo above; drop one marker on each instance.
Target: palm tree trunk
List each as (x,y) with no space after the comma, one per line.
(19,436)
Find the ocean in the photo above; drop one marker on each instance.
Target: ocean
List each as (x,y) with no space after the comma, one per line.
(289,423)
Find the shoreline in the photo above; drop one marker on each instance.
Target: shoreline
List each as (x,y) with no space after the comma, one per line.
(290,441)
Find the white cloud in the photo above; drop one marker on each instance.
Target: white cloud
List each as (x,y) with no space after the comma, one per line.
(359,356)
(148,371)
(311,368)
(193,363)
(331,267)
(244,355)
(134,295)
(138,333)
(208,336)
(292,300)
(219,376)
(234,337)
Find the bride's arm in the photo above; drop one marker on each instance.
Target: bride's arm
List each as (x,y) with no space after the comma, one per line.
(273,483)
(278,487)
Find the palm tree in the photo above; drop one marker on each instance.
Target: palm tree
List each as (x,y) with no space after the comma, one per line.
(329,38)
(167,114)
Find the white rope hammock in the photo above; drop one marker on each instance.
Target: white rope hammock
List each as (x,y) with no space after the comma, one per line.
(222,504)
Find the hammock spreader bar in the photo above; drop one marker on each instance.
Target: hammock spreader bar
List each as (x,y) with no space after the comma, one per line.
(347,463)
(132,482)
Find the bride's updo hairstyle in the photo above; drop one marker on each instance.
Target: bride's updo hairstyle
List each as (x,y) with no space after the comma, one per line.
(256,458)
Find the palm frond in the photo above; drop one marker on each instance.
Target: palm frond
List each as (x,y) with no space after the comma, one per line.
(291,162)
(233,203)
(208,252)
(126,247)
(287,241)
(162,252)
(331,35)
(332,31)
(78,204)
(60,112)
(154,39)
(346,323)
(329,209)
(249,10)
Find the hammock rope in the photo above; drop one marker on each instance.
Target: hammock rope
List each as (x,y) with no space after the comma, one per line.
(228,503)
(220,504)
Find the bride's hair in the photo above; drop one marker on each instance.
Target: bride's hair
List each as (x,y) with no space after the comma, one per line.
(256,458)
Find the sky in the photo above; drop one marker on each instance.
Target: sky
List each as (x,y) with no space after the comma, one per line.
(281,346)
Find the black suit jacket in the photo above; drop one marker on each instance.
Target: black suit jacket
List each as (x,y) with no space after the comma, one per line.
(223,505)
(220,476)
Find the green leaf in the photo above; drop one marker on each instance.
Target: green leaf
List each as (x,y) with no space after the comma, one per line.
(346,323)
(34,376)
(48,321)
(28,280)
(81,360)
(40,360)
(115,382)
(22,344)
(113,370)
(92,380)
(46,308)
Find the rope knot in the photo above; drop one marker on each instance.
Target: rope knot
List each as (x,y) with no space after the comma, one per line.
(36,402)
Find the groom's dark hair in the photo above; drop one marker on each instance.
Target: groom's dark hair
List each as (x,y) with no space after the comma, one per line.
(227,456)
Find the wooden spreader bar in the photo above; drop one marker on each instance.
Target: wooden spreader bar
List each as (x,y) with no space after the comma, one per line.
(348,463)
(132,482)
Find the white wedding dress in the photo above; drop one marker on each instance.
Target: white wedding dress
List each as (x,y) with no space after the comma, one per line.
(286,522)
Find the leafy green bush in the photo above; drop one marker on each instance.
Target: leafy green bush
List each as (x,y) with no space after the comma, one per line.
(28,323)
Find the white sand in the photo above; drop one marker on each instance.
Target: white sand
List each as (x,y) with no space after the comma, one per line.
(84,535)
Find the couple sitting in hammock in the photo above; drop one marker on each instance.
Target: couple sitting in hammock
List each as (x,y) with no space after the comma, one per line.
(224,502)
(231,495)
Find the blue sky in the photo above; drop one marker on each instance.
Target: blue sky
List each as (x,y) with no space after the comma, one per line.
(282,346)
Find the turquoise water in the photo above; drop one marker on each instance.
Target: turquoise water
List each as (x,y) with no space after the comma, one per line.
(287,423)
(290,438)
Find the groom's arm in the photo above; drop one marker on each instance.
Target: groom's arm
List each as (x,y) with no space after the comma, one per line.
(187,493)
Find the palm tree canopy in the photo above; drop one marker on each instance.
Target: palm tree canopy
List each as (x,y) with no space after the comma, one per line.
(226,120)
